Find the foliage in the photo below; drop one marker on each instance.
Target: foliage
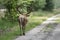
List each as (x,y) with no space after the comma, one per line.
(49,5)
(36,5)
(27,6)
(57,3)
(31,5)
(11,9)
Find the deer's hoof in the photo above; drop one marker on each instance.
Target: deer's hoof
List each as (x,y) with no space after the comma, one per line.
(23,33)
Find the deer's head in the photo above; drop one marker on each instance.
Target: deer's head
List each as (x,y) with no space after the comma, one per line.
(27,15)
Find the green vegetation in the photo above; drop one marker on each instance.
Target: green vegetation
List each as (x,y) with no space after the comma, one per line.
(9,27)
(26,6)
(49,5)
(14,31)
(50,26)
(13,27)
(57,3)
(58,19)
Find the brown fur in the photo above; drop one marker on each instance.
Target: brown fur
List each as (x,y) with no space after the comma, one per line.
(22,23)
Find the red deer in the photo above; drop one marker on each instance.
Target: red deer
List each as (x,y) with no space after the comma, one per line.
(23,19)
(22,22)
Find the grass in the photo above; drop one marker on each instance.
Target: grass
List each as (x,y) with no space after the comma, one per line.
(33,22)
(58,20)
(49,27)
(52,25)
(35,19)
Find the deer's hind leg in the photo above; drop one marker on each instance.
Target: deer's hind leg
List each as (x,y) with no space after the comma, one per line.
(23,30)
(20,26)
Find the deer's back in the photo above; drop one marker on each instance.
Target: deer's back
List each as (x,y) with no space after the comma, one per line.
(22,20)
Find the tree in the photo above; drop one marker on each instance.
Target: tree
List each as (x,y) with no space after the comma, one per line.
(15,6)
(49,5)
(33,5)
(11,9)
(10,5)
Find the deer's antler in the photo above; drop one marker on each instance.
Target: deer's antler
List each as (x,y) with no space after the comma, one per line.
(18,8)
